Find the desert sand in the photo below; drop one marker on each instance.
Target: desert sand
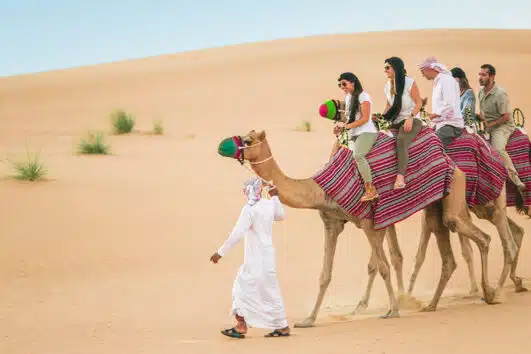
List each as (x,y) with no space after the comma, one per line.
(110,254)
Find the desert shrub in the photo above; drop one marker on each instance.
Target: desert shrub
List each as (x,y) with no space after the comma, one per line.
(158,128)
(30,169)
(93,144)
(122,122)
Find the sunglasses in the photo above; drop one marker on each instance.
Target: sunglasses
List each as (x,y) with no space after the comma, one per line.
(387,67)
(342,84)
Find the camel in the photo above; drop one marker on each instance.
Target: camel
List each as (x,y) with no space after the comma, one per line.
(448,214)
(482,212)
(494,212)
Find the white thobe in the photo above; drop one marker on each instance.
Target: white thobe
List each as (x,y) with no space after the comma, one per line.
(255,293)
(446,102)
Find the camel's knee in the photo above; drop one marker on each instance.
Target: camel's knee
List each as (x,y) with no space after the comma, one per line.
(451,221)
(396,259)
(372,268)
(449,265)
(384,270)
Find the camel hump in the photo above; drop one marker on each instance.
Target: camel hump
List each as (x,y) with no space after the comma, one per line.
(428,178)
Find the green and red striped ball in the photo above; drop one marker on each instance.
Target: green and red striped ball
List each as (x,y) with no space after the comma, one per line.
(329,110)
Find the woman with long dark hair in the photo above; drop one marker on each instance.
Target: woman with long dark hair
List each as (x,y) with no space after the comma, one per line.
(402,110)
(362,132)
(468,100)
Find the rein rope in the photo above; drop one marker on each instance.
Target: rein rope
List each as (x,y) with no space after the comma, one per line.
(269,184)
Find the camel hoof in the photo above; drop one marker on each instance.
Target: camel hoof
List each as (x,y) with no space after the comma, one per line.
(491,297)
(521,289)
(429,308)
(518,285)
(391,314)
(307,323)
(362,306)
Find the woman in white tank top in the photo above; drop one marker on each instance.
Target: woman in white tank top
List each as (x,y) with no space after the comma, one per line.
(402,110)
(362,132)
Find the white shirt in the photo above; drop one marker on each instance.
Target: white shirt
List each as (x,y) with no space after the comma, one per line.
(369,126)
(407,101)
(446,101)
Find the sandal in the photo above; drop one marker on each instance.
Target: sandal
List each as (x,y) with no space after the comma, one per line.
(277,333)
(233,333)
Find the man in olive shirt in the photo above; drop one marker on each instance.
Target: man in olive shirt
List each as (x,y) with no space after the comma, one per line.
(495,113)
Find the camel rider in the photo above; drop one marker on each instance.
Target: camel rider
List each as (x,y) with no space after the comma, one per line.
(495,113)
(467,99)
(446,114)
(362,132)
(402,111)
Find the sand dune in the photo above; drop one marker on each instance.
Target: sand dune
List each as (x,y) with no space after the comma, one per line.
(110,254)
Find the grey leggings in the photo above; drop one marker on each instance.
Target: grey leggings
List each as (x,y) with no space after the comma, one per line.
(361,145)
(403,141)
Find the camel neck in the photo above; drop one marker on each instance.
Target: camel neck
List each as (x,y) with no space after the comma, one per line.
(295,193)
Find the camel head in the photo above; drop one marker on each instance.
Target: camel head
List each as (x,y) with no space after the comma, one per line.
(248,147)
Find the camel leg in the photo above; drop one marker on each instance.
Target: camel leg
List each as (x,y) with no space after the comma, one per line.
(496,215)
(376,238)
(421,250)
(397,260)
(333,227)
(442,234)
(466,251)
(518,235)
(456,217)
(372,268)
(509,245)
(482,240)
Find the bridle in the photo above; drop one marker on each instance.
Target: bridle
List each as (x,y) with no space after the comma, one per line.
(241,157)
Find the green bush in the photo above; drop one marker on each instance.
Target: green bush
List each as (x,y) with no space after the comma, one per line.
(29,170)
(122,122)
(93,144)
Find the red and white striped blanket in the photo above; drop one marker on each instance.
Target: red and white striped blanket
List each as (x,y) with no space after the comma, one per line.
(483,166)
(428,179)
(519,149)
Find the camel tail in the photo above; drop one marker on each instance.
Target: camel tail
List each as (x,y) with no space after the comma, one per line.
(519,201)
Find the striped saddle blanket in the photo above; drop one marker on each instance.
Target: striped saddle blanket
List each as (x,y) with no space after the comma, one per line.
(483,166)
(428,179)
(519,150)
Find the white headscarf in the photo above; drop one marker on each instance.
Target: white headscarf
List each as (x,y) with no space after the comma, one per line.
(253,190)
(432,63)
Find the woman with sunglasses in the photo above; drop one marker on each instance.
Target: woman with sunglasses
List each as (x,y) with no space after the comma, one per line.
(402,110)
(362,132)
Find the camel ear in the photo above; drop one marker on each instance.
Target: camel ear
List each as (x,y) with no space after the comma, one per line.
(261,135)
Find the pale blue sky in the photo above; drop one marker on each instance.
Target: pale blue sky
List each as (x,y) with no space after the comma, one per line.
(38,35)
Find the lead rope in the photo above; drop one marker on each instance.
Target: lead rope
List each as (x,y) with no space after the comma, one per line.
(269,183)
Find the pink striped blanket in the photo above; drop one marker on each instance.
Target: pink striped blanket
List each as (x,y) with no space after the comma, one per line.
(428,178)
(519,149)
(483,166)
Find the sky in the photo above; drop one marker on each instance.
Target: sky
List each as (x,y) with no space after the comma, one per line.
(38,35)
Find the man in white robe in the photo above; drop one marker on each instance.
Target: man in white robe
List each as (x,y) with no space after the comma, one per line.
(256,298)
(446,101)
